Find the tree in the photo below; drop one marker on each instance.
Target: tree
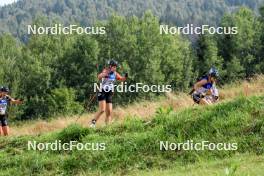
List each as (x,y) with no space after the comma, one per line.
(78,66)
(244,44)
(208,54)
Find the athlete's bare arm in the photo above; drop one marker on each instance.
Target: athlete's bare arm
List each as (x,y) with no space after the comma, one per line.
(199,84)
(14,101)
(103,74)
(119,77)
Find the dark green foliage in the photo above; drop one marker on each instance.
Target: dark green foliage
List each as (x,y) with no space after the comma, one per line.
(207,54)
(240,51)
(15,18)
(77,68)
(55,74)
(63,101)
(236,56)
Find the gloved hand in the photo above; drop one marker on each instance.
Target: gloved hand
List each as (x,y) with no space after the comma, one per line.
(126,75)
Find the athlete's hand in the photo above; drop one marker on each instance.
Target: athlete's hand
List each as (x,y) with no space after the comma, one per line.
(126,75)
(19,101)
(16,101)
(104,75)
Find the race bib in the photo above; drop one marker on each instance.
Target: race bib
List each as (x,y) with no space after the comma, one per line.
(108,83)
(3,106)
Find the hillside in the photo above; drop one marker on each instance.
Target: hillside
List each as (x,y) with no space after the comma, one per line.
(15,18)
(240,165)
(134,146)
(49,97)
(55,74)
(143,110)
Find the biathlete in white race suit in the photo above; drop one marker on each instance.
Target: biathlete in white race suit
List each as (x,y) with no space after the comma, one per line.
(213,97)
(204,91)
(104,96)
(5,101)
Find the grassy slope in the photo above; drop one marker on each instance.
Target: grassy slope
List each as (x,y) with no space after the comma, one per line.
(142,110)
(241,165)
(134,145)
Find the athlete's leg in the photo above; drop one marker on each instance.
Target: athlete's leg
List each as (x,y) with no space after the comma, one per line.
(5,130)
(203,101)
(1,131)
(1,124)
(209,99)
(5,127)
(101,110)
(108,112)
(196,98)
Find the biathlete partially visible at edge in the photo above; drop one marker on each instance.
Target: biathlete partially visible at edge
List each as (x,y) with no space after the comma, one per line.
(5,101)
(107,77)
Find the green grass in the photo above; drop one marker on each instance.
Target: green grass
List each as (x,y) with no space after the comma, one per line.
(134,145)
(240,165)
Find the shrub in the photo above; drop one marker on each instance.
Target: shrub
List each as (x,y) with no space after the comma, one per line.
(62,101)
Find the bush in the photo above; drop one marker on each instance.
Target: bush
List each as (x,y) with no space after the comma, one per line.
(61,101)
(73,133)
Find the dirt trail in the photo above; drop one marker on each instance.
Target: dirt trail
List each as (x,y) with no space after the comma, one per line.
(144,109)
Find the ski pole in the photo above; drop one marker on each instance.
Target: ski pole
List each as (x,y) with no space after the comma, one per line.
(91,99)
(87,107)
